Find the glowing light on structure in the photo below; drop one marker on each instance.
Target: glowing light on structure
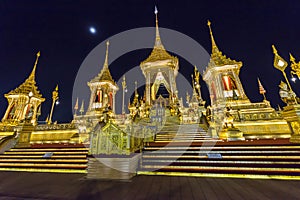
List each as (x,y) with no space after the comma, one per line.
(280,63)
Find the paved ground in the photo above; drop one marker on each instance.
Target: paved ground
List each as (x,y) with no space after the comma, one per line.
(21,185)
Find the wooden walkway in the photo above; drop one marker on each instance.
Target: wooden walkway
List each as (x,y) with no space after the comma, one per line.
(22,185)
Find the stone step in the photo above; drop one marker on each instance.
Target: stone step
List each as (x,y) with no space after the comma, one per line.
(43,152)
(199,152)
(44,170)
(160,137)
(223,169)
(67,159)
(227,157)
(45,165)
(6,156)
(47,149)
(44,160)
(223,147)
(209,162)
(186,141)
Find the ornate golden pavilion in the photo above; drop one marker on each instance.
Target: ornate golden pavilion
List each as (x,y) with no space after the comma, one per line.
(253,120)
(154,117)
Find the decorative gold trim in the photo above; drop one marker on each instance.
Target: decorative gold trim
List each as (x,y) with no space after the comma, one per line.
(248,176)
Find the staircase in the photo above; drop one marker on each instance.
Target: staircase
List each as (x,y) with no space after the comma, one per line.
(189,151)
(182,133)
(67,158)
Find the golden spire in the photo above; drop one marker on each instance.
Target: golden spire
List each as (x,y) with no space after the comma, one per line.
(82,107)
(136,96)
(29,85)
(159,52)
(157,36)
(32,75)
(261,89)
(106,55)
(295,67)
(292,58)
(105,74)
(136,92)
(217,58)
(213,43)
(76,106)
(274,49)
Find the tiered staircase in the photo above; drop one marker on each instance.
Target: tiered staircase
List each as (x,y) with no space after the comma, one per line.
(190,152)
(182,133)
(66,158)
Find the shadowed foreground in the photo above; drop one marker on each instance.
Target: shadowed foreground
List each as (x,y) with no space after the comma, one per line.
(22,185)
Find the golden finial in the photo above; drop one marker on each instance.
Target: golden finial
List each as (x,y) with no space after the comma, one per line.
(156,18)
(292,58)
(208,23)
(82,107)
(193,81)
(295,67)
(124,82)
(76,106)
(274,49)
(261,89)
(213,43)
(157,36)
(136,91)
(106,54)
(197,74)
(32,75)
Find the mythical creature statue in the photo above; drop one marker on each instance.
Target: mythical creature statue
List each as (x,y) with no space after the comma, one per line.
(287,96)
(228,118)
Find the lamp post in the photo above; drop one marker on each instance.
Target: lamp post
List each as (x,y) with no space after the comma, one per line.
(281,64)
(54,101)
(197,82)
(124,87)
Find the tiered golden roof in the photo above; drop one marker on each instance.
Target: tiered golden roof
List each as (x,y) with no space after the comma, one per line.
(159,52)
(29,85)
(104,75)
(217,58)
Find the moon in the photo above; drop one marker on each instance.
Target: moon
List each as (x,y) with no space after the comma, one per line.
(92,30)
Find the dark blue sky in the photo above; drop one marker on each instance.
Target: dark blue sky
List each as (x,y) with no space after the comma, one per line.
(244,31)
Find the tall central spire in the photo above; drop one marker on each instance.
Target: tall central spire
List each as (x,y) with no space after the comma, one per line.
(158,52)
(157,36)
(32,74)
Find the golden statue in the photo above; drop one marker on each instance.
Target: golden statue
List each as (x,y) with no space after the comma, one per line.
(295,67)
(287,96)
(228,119)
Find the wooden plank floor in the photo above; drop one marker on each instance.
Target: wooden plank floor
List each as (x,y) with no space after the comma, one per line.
(22,185)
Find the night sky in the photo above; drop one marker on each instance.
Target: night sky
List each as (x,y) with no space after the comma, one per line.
(244,31)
